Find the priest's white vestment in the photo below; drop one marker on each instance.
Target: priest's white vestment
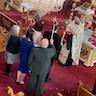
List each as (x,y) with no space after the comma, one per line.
(77,31)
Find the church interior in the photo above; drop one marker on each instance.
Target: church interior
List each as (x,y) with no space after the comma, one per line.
(65,79)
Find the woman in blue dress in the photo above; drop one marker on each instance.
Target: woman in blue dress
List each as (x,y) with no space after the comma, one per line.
(25,46)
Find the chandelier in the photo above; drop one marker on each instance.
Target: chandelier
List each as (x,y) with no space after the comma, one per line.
(45,6)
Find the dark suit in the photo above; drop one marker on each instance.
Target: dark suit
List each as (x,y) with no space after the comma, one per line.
(39,64)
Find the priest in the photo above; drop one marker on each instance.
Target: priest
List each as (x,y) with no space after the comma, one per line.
(76,27)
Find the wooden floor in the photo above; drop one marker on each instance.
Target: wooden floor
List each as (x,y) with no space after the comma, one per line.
(2,4)
(2,36)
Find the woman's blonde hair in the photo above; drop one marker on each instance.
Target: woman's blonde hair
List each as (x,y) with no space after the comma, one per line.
(15,29)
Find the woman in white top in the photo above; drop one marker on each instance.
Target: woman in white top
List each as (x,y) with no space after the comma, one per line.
(37,35)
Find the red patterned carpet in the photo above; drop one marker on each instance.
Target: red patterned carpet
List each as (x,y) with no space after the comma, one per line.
(63,79)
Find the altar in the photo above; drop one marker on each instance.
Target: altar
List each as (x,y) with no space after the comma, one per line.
(88,50)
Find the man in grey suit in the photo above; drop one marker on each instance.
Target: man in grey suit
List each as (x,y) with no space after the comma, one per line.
(39,64)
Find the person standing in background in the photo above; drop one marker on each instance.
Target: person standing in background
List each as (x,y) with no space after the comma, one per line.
(67,5)
(37,35)
(12,49)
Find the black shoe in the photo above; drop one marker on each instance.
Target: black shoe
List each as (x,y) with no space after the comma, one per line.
(17,82)
(8,74)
